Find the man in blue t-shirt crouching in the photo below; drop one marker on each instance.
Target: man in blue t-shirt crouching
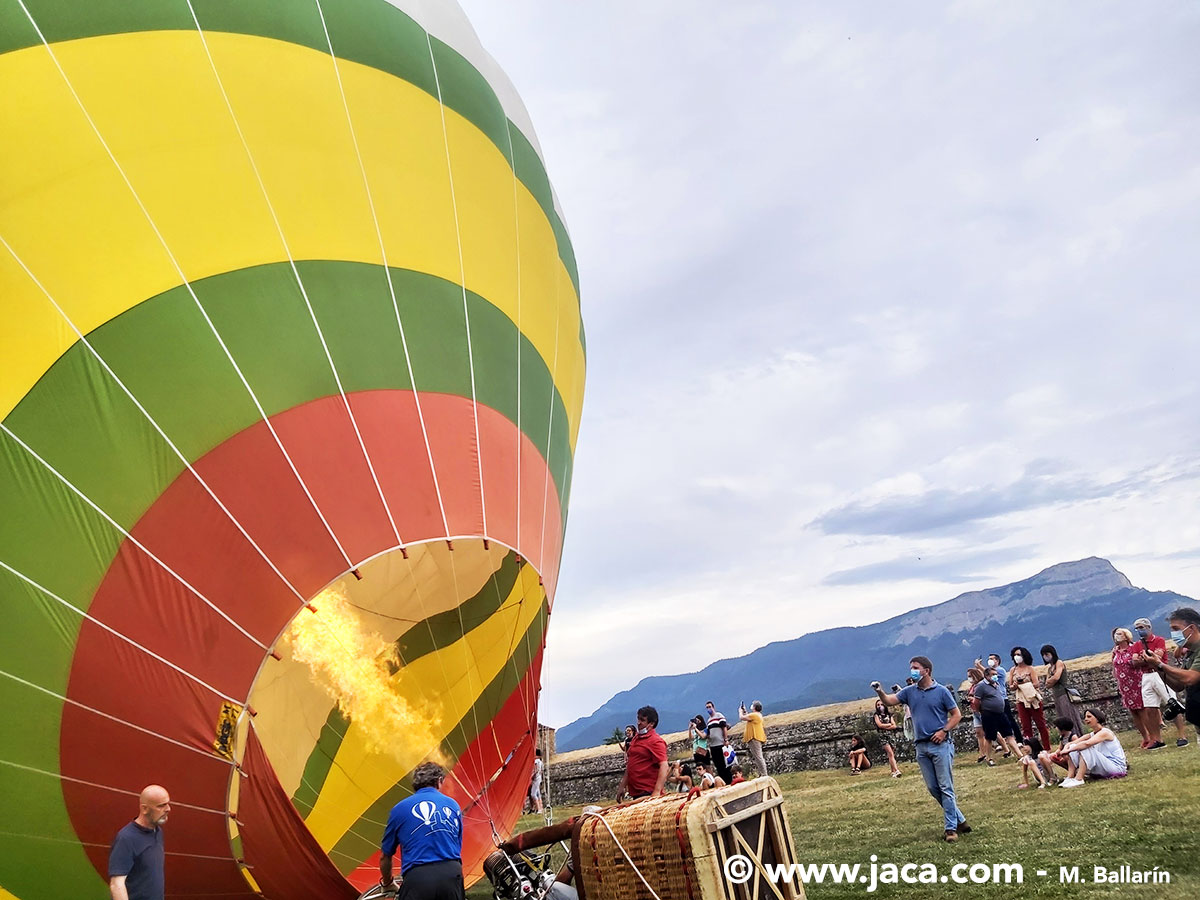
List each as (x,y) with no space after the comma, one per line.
(427,829)
(934,715)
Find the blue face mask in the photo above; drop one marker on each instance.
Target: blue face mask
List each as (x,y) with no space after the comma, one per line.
(1142,632)
(915,674)
(994,678)
(1177,637)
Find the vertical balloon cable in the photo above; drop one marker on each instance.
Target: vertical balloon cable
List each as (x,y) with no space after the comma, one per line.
(462,274)
(412,378)
(517,235)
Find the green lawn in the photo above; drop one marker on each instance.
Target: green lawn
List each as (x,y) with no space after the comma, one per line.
(1144,820)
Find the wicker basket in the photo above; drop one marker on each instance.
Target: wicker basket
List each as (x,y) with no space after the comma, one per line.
(680,846)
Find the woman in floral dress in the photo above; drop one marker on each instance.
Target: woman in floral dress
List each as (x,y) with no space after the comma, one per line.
(1129,678)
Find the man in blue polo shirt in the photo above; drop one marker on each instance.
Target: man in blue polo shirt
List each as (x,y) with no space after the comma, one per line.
(135,862)
(427,829)
(934,716)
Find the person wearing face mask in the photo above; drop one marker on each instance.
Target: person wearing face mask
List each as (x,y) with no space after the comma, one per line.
(1155,693)
(993,660)
(1059,682)
(1185,631)
(935,716)
(975,676)
(646,762)
(1128,676)
(1023,678)
(988,699)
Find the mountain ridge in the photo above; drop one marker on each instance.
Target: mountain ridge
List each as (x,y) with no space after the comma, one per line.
(804,671)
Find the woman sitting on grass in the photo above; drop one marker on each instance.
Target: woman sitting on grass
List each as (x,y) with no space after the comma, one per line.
(1099,755)
(858,756)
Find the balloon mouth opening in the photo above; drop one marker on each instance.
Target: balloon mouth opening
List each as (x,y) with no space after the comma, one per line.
(390,665)
(354,654)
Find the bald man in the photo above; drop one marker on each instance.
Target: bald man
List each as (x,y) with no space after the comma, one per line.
(135,863)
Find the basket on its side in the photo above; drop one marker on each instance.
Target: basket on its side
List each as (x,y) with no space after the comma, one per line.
(681,845)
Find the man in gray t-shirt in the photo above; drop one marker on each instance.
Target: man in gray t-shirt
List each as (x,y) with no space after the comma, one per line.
(990,698)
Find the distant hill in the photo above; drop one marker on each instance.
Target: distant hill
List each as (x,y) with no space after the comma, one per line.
(1073,605)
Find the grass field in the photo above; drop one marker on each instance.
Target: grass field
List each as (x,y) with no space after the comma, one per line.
(1145,820)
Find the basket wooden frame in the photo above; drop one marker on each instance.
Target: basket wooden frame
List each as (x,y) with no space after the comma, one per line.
(680,846)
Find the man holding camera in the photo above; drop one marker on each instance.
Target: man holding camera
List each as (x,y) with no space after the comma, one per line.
(755,735)
(935,715)
(1185,631)
(1155,694)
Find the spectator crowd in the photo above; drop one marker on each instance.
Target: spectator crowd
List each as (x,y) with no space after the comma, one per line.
(1158,682)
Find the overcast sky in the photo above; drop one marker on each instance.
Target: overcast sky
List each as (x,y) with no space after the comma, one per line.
(884,302)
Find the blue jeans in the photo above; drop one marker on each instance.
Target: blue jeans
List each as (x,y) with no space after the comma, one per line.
(935,761)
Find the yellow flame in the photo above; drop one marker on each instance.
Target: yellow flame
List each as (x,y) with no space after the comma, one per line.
(354,665)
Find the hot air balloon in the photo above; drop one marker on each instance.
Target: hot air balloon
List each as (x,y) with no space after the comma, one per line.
(291,371)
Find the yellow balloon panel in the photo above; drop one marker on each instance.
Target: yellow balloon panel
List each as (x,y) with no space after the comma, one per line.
(68,214)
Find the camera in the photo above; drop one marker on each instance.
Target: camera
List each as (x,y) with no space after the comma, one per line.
(1172,709)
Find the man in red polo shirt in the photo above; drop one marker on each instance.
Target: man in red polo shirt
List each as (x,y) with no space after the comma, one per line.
(646,761)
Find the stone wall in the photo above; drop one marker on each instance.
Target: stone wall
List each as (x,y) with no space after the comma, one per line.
(797,742)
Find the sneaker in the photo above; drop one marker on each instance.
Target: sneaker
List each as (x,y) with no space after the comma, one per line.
(981,759)
(1157,745)
(896,774)
(991,762)
(1041,787)
(964,828)
(951,836)
(1071,782)
(1022,785)
(1182,742)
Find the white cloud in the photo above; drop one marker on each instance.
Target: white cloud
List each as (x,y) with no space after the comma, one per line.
(837,257)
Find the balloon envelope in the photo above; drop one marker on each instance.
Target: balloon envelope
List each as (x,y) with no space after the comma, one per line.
(292,373)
